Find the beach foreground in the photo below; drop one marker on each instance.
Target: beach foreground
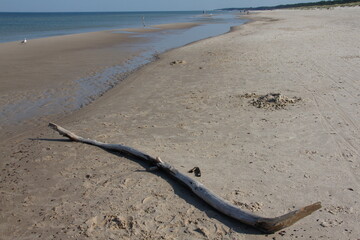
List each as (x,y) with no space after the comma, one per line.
(191,108)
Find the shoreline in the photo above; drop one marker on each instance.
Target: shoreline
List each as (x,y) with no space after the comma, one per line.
(194,113)
(26,99)
(61,24)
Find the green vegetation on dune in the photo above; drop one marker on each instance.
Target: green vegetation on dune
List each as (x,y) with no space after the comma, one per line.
(350,4)
(321,4)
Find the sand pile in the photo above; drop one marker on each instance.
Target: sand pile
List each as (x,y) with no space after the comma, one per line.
(270,100)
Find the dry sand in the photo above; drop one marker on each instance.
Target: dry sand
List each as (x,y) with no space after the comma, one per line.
(195,113)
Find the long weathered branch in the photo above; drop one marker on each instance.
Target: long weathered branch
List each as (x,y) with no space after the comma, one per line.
(267,225)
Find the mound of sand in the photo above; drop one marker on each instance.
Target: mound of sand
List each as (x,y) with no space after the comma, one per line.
(270,100)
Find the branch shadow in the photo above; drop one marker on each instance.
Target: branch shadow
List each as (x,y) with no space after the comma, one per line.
(50,139)
(181,191)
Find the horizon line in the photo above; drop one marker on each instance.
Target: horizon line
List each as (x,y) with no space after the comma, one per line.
(107,11)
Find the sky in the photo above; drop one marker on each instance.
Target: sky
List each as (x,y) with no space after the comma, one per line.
(131,5)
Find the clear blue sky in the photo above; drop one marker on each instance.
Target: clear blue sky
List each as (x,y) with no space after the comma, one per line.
(131,5)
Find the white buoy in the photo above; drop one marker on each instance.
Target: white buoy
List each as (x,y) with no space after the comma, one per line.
(24,41)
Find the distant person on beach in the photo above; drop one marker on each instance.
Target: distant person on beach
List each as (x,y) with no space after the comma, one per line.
(143,21)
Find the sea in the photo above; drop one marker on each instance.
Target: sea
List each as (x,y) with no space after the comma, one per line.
(18,26)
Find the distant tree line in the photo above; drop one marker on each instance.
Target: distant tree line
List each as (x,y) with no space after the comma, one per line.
(296,5)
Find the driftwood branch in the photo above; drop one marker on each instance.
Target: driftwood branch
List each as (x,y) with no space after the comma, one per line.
(267,225)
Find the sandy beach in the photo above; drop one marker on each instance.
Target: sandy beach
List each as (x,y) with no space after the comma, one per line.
(196,106)
(50,77)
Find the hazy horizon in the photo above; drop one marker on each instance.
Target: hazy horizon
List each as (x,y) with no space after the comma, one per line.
(133,6)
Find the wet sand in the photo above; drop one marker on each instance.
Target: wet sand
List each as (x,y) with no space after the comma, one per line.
(197,113)
(50,77)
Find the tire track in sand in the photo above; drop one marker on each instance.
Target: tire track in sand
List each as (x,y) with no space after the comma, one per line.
(345,148)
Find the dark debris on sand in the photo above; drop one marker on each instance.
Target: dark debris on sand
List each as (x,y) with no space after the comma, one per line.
(272,101)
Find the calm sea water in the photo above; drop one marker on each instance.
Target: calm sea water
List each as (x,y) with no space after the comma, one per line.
(17,26)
